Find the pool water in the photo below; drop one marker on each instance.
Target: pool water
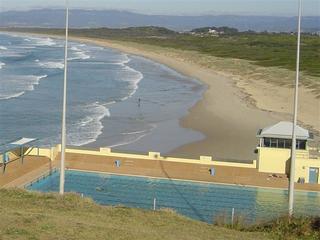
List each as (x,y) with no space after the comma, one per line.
(201,201)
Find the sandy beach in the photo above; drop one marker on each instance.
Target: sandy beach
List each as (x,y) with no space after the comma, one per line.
(240,99)
(234,106)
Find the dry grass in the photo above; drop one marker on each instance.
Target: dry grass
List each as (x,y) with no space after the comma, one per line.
(283,228)
(26,215)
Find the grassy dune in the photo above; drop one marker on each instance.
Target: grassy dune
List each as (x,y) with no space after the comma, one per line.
(26,215)
(264,49)
(256,56)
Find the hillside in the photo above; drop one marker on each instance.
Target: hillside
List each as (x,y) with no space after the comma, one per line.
(263,49)
(54,18)
(27,215)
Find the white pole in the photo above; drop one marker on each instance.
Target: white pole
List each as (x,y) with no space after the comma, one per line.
(154,204)
(232,217)
(63,132)
(295,113)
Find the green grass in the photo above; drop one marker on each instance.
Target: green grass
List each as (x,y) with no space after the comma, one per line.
(307,228)
(263,49)
(27,215)
(283,228)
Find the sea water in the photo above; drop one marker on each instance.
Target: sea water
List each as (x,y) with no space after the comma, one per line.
(202,201)
(114,99)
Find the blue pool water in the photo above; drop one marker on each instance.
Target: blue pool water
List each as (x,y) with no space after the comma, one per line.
(199,201)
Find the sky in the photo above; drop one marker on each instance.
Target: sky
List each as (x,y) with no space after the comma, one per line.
(178,7)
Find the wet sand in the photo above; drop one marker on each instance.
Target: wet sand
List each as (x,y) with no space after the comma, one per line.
(227,114)
(240,99)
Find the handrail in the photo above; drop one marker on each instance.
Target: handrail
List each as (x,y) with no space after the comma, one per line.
(43,176)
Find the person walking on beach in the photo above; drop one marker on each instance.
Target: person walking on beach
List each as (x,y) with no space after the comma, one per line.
(139,102)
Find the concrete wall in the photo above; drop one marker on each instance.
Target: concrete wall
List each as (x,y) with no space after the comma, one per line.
(303,166)
(53,153)
(270,160)
(276,160)
(45,152)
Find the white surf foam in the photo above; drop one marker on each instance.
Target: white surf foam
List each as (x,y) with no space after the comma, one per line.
(79,54)
(88,129)
(133,77)
(75,49)
(133,133)
(3,48)
(51,65)
(43,41)
(126,142)
(16,86)
(109,103)
(2,65)
(132,137)
(130,75)
(124,61)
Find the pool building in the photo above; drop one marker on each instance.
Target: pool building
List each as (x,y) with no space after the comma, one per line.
(270,169)
(40,166)
(274,152)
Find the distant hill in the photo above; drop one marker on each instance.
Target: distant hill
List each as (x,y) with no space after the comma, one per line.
(264,49)
(54,18)
(226,30)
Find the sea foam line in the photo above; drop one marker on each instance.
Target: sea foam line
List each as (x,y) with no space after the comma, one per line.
(134,81)
(42,41)
(136,139)
(89,128)
(2,65)
(79,54)
(19,87)
(51,64)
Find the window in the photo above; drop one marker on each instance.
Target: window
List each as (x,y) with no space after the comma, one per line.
(274,143)
(287,143)
(267,142)
(281,143)
(301,144)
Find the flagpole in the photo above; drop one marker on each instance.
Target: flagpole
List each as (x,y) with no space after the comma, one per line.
(295,113)
(63,131)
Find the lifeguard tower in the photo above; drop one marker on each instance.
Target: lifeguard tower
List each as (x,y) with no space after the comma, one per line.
(274,151)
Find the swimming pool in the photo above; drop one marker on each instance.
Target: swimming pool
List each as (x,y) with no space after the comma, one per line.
(201,201)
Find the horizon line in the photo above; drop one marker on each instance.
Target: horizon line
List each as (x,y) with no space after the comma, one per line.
(248,14)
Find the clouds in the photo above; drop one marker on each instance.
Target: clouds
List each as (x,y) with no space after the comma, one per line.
(181,7)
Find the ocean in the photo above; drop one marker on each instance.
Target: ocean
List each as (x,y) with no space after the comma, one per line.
(114,99)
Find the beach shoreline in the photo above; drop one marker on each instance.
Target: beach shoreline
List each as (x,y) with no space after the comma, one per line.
(226,105)
(233,108)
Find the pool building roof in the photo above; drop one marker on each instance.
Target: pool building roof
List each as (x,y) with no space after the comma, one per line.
(284,130)
(12,145)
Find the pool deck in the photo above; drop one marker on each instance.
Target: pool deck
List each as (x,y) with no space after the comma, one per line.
(18,175)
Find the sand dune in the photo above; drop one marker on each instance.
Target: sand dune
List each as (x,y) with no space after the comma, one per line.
(241,98)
